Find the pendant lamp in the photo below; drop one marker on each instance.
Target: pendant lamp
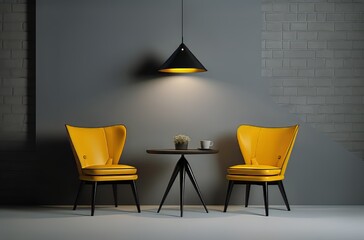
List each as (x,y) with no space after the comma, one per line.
(182,60)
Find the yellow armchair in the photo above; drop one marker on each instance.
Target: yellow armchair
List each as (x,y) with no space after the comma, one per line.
(266,153)
(97,152)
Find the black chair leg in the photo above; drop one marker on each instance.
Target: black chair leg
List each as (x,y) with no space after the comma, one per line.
(281,188)
(135,193)
(265,193)
(228,194)
(94,189)
(247,193)
(115,192)
(78,194)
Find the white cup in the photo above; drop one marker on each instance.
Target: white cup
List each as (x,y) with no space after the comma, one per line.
(206,144)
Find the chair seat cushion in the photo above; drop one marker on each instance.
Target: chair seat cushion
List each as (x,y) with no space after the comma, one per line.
(254,170)
(114,169)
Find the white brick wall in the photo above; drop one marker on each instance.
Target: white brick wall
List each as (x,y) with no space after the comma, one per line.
(17,111)
(313,56)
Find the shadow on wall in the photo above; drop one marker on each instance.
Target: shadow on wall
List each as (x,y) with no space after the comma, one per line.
(44,176)
(146,68)
(17,177)
(57,174)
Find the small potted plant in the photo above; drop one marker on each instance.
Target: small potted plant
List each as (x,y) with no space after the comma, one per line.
(181,141)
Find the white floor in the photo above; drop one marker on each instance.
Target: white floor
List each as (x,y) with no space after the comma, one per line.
(303,222)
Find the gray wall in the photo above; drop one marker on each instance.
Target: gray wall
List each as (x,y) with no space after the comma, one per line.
(96,64)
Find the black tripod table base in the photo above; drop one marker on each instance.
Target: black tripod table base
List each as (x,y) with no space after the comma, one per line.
(182,167)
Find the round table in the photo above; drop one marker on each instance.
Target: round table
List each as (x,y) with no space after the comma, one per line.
(182,167)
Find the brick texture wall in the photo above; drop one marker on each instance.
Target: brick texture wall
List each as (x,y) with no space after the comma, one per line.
(17,85)
(313,57)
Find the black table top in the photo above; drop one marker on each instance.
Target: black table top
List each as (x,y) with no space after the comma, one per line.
(188,151)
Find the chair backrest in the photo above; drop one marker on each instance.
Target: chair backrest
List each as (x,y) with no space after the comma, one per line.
(267,145)
(96,146)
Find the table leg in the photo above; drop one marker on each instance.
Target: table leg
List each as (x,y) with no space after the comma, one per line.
(194,183)
(182,186)
(177,168)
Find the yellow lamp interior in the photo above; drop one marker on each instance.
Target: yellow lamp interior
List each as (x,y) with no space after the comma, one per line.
(182,70)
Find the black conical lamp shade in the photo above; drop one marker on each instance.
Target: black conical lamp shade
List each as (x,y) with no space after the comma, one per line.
(182,61)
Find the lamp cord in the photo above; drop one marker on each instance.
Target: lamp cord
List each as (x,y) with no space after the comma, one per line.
(182,21)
